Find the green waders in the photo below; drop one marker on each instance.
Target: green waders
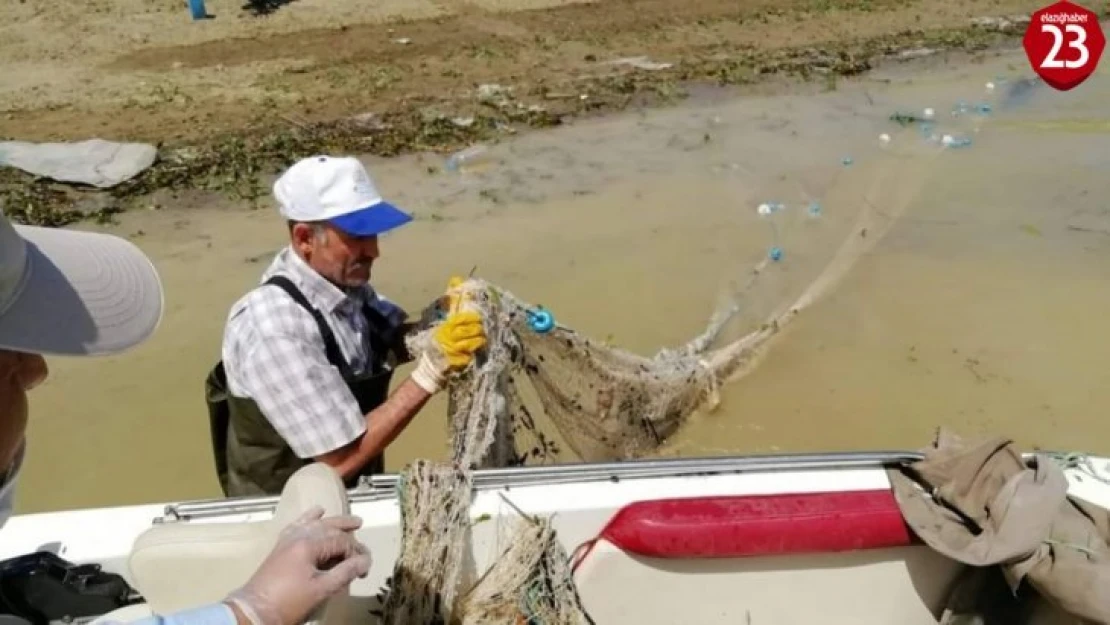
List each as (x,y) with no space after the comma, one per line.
(251,457)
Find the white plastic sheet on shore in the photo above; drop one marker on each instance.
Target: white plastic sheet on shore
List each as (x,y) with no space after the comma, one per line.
(93,162)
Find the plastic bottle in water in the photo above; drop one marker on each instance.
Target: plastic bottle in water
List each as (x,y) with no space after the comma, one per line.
(950,141)
(466,158)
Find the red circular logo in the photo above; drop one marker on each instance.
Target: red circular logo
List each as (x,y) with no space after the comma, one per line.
(1064,42)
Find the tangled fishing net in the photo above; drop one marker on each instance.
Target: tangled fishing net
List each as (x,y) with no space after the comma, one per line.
(606,403)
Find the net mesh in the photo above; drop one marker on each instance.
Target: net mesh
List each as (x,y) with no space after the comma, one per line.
(606,403)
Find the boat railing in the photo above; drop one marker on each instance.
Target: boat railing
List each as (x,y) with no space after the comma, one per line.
(383,486)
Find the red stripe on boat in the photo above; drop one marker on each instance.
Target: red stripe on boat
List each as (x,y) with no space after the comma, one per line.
(759,525)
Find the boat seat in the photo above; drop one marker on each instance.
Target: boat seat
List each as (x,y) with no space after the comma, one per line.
(177,566)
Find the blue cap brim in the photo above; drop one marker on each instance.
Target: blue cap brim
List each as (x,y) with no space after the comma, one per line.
(371,221)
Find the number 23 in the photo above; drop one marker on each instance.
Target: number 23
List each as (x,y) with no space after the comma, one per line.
(1079,43)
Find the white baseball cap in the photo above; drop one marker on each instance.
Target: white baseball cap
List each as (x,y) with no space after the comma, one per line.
(73,293)
(337,190)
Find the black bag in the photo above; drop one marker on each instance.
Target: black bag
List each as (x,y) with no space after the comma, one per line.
(43,588)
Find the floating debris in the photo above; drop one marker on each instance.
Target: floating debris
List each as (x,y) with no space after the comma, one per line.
(905,119)
(1000,23)
(492,92)
(364,122)
(642,62)
(468,157)
(1019,92)
(950,141)
(93,162)
(916,53)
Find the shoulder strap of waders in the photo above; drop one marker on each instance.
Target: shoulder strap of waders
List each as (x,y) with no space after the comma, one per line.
(381,337)
(331,347)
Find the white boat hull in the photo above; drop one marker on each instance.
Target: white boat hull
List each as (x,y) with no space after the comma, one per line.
(782,540)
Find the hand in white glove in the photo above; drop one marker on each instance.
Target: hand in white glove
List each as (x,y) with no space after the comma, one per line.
(291,582)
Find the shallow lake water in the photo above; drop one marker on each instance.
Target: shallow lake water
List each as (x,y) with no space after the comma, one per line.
(981,309)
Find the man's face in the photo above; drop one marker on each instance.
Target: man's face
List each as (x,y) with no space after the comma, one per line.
(19,373)
(343,259)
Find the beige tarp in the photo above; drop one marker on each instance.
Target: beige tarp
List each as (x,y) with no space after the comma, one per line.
(983,505)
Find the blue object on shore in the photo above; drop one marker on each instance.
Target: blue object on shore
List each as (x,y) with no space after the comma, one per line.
(196,8)
(776,253)
(540,320)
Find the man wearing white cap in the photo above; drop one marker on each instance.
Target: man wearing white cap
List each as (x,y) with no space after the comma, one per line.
(72,293)
(308,355)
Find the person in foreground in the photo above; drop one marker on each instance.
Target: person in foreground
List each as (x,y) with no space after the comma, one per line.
(72,293)
(308,355)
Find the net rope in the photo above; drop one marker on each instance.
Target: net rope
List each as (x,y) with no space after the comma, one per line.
(606,403)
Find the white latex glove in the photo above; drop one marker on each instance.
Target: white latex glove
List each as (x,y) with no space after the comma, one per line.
(430,373)
(290,582)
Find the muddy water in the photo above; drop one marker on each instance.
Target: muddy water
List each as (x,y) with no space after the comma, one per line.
(981,309)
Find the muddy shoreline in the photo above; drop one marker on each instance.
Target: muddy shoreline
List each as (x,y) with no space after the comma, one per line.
(238,162)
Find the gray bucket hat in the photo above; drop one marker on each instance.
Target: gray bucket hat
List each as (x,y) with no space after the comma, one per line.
(71,293)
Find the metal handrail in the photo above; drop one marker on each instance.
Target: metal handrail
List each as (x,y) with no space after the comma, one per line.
(384,486)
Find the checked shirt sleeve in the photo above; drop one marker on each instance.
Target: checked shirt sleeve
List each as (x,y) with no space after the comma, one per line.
(283,367)
(214,614)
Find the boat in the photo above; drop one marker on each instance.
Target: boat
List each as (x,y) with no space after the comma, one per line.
(760,539)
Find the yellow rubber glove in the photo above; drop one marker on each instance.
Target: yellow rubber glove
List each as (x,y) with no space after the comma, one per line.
(454,299)
(458,338)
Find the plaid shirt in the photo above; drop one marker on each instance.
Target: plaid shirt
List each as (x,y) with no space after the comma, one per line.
(273,353)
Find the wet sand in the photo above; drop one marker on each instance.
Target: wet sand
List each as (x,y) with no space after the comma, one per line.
(981,309)
(142,70)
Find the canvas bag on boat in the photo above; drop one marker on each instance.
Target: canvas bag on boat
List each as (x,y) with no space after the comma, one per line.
(984,505)
(251,457)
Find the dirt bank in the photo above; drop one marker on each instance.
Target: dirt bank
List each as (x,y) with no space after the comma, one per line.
(246,94)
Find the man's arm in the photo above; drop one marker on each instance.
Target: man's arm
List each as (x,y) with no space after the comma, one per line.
(306,400)
(383,425)
(212,614)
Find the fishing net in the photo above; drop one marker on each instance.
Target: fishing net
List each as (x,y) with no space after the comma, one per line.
(606,403)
